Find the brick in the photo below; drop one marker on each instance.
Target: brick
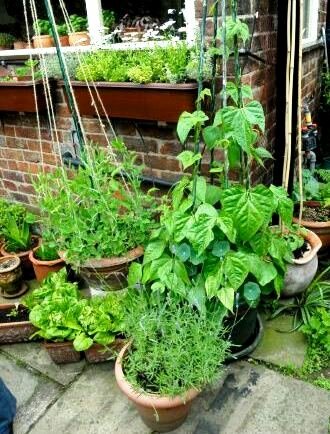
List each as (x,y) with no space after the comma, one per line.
(33,157)
(152,130)
(162,163)
(12,165)
(62,110)
(9,130)
(136,144)
(26,188)
(9,185)
(26,132)
(170,148)
(3,163)
(21,197)
(22,166)
(51,159)
(13,176)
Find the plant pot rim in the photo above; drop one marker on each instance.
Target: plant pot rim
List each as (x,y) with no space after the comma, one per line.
(36,261)
(310,223)
(20,254)
(79,33)
(17,83)
(42,37)
(147,399)
(129,85)
(51,344)
(12,324)
(13,267)
(130,256)
(315,243)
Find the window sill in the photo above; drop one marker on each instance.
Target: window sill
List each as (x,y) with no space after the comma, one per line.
(311,45)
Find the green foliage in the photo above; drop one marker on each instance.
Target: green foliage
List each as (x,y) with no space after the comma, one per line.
(61,314)
(43,26)
(326,90)
(109,20)
(174,348)
(163,65)
(94,212)
(62,30)
(18,237)
(53,67)
(79,24)
(30,68)
(10,211)
(318,329)
(312,188)
(6,40)
(46,252)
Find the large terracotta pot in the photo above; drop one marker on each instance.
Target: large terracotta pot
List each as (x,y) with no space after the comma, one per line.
(10,275)
(64,41)
(108,273)
(43,268)
(43,41)
(321,229)
(300,274)
(26,264)
(160,413)
(79,38)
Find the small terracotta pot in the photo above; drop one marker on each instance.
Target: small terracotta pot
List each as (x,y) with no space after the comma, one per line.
(79,38)
(43,41)
(321,229)
(26,264)
(62,352)
(98,353)
(10,274)
(43,268)
(160,413)
(64,41)
(20,45)
(15,332)
(300,274)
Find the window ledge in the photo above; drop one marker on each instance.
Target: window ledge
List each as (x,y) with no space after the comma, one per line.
(312,45)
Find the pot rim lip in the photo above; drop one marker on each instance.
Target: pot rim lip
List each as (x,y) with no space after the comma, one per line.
(147,399)
(312,224)
(129,85)
(20,254)
(13,267)
(315,244)
(51,344)
(36,261)
(130,256)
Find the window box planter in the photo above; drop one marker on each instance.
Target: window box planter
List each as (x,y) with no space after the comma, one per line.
(98,353)
(62,352)
(18,96)
(15,329)
(153,102)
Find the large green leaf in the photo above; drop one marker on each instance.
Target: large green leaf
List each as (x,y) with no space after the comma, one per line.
(188,158)
(226,224)
(262,270)
(134,274)
(254,113)
(212,136)
(252,293)
(154,250)
(188,121)
(82,342)
(227,298)
(284,204)
(236,269)
(200,234)
(212,194)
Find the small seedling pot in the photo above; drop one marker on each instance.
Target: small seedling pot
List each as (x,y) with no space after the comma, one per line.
(160,413)
(20,45)
(98,353)
(26,264)
(43,41)
(10,274)
(79,38)
(62,352)
(43,268)
(17,329)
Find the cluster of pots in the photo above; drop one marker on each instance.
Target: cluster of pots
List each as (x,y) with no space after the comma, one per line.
(72,39)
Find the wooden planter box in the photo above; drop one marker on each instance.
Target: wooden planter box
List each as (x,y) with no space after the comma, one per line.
(98,354)
(62,352)
(14,332)
(152,102)
(18,96)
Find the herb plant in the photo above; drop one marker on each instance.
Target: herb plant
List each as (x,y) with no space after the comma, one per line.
(29,67)
(173,349)
(62,30)
(43,26)
(46,252)
(6,40)
(10,211)
(318,329)
(79,24)
(109,20)
(99,211)
(61,314)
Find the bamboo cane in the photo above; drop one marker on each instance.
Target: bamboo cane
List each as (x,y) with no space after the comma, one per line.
(300,111)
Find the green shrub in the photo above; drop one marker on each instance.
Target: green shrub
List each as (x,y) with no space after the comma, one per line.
(6,40)
(79,24)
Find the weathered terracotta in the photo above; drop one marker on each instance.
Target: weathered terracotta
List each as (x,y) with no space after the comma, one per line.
(64,41)
(20,45)
(321,229)
(18,96)
(43,41)
(79,38)
(160,413)
(15,332)
(43,268)
(26,264)
(300,274)
(10,274)
(98,353)
(62,352)
(108,273)
(154,102)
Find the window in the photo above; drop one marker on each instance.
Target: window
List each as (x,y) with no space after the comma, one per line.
(310,21)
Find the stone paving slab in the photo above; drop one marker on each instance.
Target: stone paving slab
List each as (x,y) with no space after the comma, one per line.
(249,400)
(34,355)
(279,347)
(34,393)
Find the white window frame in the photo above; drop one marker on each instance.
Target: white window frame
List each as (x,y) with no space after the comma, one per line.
(312,23)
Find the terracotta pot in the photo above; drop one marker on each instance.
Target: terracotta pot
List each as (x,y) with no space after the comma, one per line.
(18,96)
(10,274)
(321,229)
(153,102)
(62,352)
(15,332)
(300,274)
(160,413)
(64,41)
(98,353)
(26,264)
(20,45)
(43,41)
(43,268)
(108,273)
(79,38)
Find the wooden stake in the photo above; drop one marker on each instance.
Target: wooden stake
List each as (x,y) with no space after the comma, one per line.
(300,112)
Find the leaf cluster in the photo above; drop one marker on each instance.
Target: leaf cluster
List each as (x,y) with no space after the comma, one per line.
(98,211)
(79,24)
(46,252)
(313,189)
(6,40)
(42,26)
(61,314)
(174,348)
